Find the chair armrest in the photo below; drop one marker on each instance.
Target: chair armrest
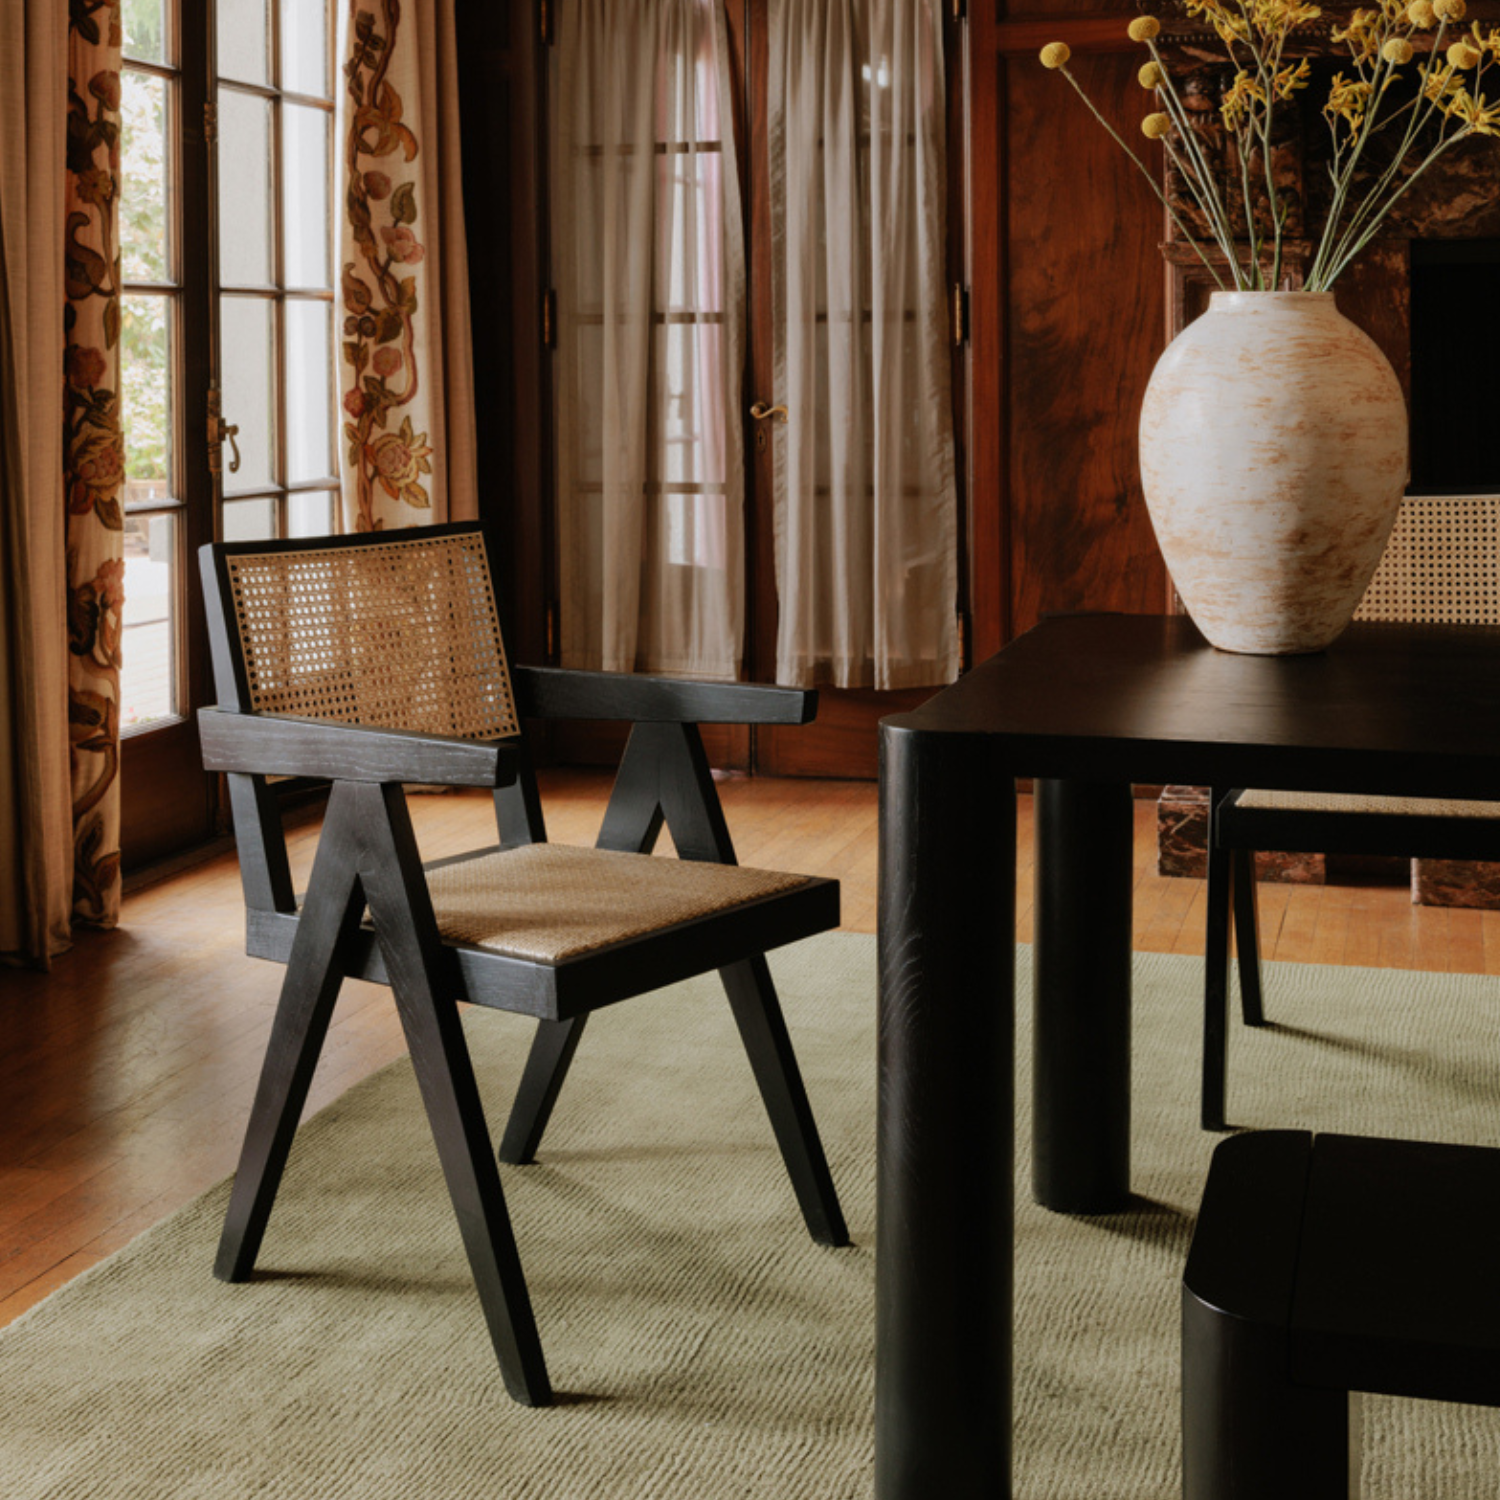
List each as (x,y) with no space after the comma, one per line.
(279,745)
(561,693)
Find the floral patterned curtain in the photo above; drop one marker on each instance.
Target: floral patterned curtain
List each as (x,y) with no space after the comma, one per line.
(406,371)
(61,469)
(94,453)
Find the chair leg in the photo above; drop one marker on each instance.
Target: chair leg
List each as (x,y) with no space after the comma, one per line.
(547,1066)
(333,906)
(402,912)
(1247,937)
(1216,985)
(757,1012)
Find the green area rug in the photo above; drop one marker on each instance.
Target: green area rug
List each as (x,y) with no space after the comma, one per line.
(705,1347)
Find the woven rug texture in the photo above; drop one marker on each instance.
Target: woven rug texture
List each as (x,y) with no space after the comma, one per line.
(703,1346)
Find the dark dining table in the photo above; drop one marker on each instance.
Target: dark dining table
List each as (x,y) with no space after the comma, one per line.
(1086,706)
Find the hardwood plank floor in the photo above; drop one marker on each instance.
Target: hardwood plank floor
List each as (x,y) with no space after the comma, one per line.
(127,1072)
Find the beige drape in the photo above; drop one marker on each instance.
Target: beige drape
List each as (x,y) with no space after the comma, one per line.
(866,505)
(649,270)
(406,372)
(36,828)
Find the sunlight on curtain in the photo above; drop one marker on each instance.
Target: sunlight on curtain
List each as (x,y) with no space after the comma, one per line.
(866,504)
(650,285)
(36,824)
(410,449)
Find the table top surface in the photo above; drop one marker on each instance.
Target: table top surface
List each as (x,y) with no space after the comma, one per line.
(1403,709)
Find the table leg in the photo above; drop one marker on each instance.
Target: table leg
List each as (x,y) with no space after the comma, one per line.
(944,1247)
(1080,1159)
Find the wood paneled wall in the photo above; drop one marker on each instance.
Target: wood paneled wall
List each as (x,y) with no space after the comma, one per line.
(502,81)
(1068,317)
(1058,241)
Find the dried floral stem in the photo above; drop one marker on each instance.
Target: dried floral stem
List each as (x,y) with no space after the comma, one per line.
(1254,34)
(1200,183)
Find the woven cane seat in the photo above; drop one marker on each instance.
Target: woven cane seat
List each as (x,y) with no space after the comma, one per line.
(548,903)
(1345,802)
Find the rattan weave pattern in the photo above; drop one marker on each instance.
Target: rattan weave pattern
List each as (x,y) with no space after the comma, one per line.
(396,634)
(1346,802)
(1441,565)
(552,902)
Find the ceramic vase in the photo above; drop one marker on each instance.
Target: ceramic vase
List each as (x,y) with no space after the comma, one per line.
(1273,449)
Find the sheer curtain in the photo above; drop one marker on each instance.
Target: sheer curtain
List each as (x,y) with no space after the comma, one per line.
(650,285)
(866,505)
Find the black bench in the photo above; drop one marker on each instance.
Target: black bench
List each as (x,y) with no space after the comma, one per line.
(1321,1267)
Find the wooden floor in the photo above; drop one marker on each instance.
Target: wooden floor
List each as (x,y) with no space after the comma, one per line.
(127,1072)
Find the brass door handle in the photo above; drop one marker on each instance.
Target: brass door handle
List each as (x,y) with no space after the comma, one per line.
(220,432)
(760,411)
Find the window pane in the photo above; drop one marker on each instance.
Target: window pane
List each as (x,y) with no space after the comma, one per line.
(310,513)
(148,642)
(309,390)
(145,28)
(304,200)
(249,520)
(244,41)
(304,47)
(143,178)
(146,387)
(247,348)
(244,189)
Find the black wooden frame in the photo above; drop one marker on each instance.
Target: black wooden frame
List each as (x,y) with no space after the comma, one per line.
(367,861)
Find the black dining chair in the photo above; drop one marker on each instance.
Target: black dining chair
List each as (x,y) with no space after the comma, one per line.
(1441,566)
(375,661)
(1244,821)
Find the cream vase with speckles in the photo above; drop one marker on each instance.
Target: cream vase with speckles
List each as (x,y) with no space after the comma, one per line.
(1274,458)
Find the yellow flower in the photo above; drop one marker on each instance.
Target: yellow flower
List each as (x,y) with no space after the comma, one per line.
(1449,10)
(1143,28)
(1486,41)
(1151,76)
(1154,127)
(1290,79)
(1272,16)
(1398,50)
(1348,100)
(1240,100)
(1421,14)
(1055,54)
(1462,56)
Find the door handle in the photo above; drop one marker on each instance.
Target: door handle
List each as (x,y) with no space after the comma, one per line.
(227,434)
(219,433)
(760,411)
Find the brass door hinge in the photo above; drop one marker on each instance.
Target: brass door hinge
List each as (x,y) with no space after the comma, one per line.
(959,314)
(210,121)
(960,10)
(549,319)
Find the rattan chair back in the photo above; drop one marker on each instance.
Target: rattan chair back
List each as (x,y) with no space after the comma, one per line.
(1441,565)
(400,634)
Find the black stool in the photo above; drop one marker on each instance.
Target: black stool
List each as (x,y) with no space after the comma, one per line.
(1323,1267)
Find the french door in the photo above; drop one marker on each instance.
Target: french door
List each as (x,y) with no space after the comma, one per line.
(226,349)
(843,741)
